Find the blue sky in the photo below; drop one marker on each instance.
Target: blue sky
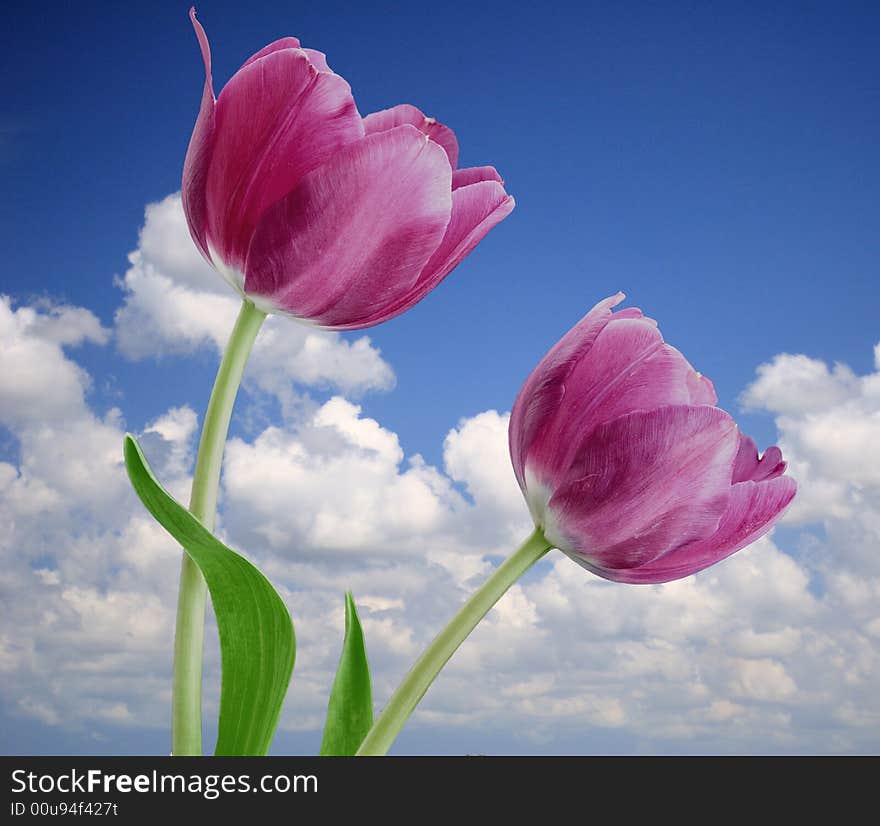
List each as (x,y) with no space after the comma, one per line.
(717,162)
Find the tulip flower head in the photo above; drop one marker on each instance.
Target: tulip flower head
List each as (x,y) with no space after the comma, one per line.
(626,463)
(310,210)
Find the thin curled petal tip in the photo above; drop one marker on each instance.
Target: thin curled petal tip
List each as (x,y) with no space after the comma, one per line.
(626,463)
(199,154)
(204,46)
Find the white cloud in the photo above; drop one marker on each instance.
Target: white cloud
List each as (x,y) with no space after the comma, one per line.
(65,449)
(357,494)
(174,303)
(476,454)
(61,324)
(82,623)
(798,384)
(761,679)
(39,384)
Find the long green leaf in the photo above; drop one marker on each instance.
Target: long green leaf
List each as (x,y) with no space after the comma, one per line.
(350,710)
(257,642)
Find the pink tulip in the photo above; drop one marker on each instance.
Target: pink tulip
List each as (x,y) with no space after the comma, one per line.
(310,210)
(627,464)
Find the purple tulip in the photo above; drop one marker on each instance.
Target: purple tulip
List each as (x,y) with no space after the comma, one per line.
(626,463)
(310,210)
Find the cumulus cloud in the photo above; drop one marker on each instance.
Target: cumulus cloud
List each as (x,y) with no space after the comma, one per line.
(174,303)
(772,650)
(37,378)
(79,623)
(799,384)
(356,491)
(343,472)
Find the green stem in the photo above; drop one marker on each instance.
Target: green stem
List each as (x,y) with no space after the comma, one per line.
(186,714)
(404,701)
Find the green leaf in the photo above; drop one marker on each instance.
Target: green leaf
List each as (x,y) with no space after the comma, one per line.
(350,710)
(257,643)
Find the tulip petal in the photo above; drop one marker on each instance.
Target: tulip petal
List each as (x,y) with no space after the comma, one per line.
(747,466)
(539,398)
(475,210)
(407,113)
(274,46)
(753,509)
(318,60)
(634,312)
(473,175)
(644,484)
(629,367)
(701,389)
(354,235)
(198,154)
(277,119)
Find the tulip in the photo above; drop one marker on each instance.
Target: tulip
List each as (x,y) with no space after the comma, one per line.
(308,209)
(626,463)
(627,466)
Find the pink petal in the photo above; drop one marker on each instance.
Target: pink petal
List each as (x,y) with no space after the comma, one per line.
(747,465)
(198,154)
(644,484)
(276,120)
(701,389)
(473,175)
(475,210)
(634,312)
(318,60)
(538,400)
(629,367)
(407,113)
(354,235)
(275,46)
(752,510)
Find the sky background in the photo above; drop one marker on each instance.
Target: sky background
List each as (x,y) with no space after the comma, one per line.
(716,162)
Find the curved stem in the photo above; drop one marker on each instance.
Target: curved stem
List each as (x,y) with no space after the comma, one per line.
(186,715)
(437,654)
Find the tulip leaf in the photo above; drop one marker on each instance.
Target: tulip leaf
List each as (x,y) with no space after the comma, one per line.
(350,710)
(257,642)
